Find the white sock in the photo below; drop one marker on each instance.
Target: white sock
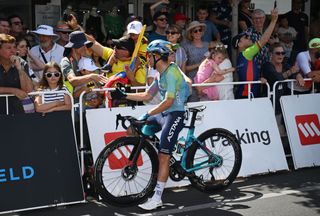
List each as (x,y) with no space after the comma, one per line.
(158,191)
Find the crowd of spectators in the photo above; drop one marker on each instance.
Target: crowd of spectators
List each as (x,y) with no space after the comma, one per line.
(70,57)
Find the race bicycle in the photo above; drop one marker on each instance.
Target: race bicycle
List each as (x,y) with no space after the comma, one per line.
(126,169)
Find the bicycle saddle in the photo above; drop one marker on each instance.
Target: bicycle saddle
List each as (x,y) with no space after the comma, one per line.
(197,108)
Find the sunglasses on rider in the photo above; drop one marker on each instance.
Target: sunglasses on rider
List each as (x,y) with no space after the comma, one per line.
(279,53)
(56,74)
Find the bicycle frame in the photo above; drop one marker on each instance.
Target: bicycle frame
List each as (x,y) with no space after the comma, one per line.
(190,139)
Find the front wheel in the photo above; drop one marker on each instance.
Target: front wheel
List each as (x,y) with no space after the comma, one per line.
(227,160)
(120,182)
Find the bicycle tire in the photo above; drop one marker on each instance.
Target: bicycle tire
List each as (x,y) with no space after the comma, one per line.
(220,177)
(112,185)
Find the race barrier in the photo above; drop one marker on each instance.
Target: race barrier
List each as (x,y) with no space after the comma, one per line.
(301,114)
(259,137)
(39,164)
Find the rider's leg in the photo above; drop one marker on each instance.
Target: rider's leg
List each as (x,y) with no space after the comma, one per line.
(163,175)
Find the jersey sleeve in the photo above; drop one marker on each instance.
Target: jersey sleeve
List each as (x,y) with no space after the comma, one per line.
(171,80)
(251,51)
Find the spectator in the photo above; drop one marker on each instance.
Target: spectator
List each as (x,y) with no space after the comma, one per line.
(62,30)
(225,91)
(159,6)
(13,77)
(134,29)
(180,20)
(306,62)
(86,67)
(195,49)
(245,18)
(52,81)
(75,49)
(4,26)
(174,35)
(255,33)
(314,26)
(211,32)
(277,70)
(47,50)
(247,63)
(30,61)
(16,26)
(287,35)
(160,21)
(222,18)
(209,72)
(300,21)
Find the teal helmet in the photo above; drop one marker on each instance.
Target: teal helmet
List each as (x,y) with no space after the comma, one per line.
(161,47)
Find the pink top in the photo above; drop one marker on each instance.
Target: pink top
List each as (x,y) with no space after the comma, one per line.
(204,72)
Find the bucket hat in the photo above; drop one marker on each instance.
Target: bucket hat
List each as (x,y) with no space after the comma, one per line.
(45,30)
(78,39)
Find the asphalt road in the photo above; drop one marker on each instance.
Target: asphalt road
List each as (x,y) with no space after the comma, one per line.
(280,194)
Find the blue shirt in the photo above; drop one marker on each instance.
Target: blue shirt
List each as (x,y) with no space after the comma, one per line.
(171,84)
(210,32)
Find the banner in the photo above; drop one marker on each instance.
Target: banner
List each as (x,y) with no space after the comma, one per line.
(39,164)
(252,121)
(302,115)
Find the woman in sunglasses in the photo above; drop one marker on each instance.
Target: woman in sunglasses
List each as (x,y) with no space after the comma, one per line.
(174,35)
(276,70)
(195,48)
(54,98)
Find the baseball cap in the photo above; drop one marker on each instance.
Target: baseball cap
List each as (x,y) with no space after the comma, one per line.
(134,27)
(236,39)
(77,39)
(126,43)
(314,43)
(179,16)
(87,64)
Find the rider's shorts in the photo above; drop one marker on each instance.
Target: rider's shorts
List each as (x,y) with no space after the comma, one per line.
(171,124)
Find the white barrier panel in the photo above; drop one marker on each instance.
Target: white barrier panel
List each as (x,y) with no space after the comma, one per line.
(252,121)
(302,114)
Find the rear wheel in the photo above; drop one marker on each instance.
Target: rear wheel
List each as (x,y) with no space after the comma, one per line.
(228,157)
(117,180)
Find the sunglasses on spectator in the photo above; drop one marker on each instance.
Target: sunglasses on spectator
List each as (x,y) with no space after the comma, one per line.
(280,53)
(56,74)
(162,19)
(197,30)
(171,32)
(92,97)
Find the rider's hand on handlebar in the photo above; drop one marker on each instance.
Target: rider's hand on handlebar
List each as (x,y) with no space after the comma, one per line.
(144,117)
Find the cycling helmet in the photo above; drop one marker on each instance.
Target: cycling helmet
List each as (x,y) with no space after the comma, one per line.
(160,47)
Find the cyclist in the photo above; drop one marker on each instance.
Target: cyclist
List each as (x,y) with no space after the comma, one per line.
(174,88)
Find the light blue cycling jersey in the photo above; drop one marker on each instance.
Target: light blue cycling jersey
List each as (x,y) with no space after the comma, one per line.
(171,84)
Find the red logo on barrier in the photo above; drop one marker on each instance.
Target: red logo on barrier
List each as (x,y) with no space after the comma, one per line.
(308,129)
(119,158)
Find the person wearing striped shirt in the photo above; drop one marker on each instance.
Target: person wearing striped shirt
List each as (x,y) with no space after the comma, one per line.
(54,97)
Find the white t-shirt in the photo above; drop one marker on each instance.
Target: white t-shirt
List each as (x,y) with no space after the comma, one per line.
(226,91)
(55,54)
(303,61)
(152,73)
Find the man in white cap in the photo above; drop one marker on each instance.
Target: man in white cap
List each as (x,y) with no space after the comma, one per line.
(47,50)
